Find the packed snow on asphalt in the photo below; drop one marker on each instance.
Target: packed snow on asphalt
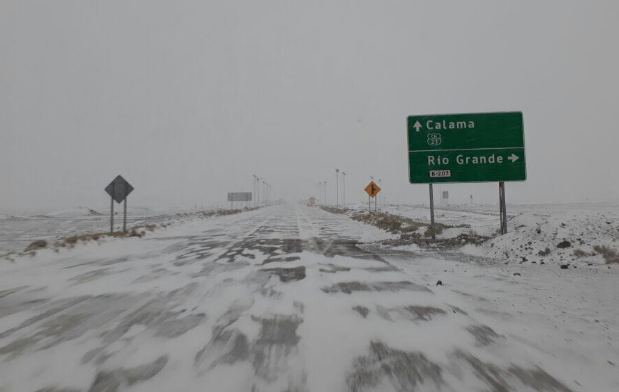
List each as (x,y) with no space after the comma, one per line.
(294,298)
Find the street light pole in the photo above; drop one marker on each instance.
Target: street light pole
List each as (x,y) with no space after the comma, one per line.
(344,180)
(337,188)
(255,177)
(326,192)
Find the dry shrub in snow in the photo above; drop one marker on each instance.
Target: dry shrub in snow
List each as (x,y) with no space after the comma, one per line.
(610,255)
(40,244)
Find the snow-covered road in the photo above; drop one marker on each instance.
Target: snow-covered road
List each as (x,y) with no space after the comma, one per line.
(291,298)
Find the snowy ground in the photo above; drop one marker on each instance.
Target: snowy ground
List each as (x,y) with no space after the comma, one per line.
(292,298)
(534,231)
(18,230)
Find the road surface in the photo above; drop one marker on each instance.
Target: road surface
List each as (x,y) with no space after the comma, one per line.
(290,298)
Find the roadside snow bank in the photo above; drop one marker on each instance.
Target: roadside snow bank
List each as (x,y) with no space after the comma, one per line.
(74,213)
(574,237)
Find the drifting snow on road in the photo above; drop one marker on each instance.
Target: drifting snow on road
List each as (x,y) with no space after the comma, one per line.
(299,299)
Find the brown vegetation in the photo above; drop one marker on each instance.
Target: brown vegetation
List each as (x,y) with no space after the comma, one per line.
(398,224)
(135,232)
(40,244)
(581,253)
(336,210)
(409,229)
(610,255)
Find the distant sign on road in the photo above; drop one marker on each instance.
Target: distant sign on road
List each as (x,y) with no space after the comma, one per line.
(119,189)
(372,189)
(476,147)
(239,196)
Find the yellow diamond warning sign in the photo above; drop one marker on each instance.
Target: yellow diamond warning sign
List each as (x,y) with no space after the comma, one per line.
(372,189)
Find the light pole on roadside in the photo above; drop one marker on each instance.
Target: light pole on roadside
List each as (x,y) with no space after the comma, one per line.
(325,182)
(255,181)
(344,180)
(264,190)
(258,179)
(337,188)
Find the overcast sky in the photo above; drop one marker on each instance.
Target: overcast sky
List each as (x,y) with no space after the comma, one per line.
(188,99)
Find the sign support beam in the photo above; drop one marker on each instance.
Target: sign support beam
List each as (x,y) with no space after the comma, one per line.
(125,216)
(502,207)
(112,216)
(432,212)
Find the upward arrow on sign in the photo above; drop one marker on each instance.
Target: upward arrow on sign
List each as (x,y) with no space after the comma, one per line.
(417,126)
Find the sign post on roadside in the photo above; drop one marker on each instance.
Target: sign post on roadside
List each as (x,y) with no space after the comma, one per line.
(473,147)
(372,190)
(118,190)
(445,197)
(239,196)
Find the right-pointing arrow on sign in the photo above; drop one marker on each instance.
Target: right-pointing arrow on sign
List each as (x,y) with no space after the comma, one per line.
(513,158)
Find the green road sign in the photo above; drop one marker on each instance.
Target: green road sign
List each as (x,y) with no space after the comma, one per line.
(476,147)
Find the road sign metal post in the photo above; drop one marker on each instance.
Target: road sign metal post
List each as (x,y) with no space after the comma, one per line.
(432,213)
(504,211)
(125,216)
(112,215)
(502,208)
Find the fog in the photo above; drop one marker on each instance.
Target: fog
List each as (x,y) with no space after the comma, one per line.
(188,99)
